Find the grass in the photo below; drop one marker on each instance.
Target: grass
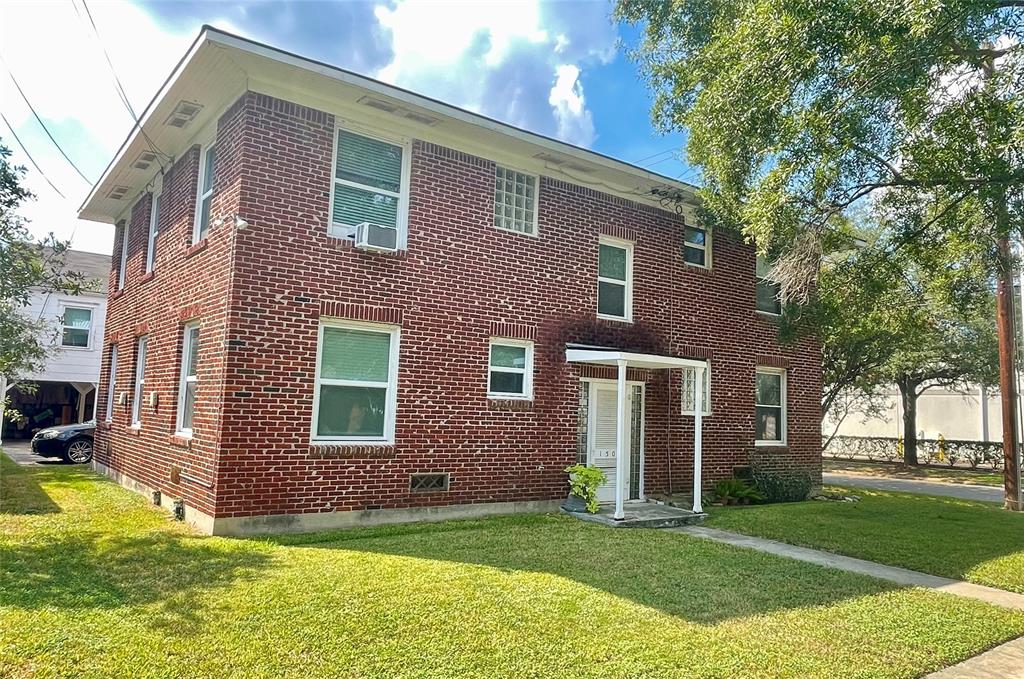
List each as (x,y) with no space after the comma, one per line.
(963,539)
(921,473)
(95,583)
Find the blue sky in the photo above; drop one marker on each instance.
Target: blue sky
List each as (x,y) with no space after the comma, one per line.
(554,67)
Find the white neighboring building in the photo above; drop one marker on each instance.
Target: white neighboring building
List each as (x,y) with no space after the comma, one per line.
(66,390)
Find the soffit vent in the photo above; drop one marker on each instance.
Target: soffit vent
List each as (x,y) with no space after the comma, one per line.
(118,192)
(183,114)
(145,159)
(428,483)
(395,109)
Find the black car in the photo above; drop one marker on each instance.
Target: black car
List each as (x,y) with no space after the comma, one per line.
(73,442)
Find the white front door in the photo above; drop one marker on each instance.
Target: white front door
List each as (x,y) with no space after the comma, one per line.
(602,436)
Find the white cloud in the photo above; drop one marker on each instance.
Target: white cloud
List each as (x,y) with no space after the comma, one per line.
(575,123)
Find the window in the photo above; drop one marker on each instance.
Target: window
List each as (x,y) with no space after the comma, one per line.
(154,226)
(615,280)
(189,378)
(77,327)
(124,255)
(357,374)
(768,292)
(140,380)
(510,369)
(689,376)
(696,244)
(112,382)
(207,178)
(515,201)
(770,406)
(370,184)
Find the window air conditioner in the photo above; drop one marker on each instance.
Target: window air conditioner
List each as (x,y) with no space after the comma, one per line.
(376,237)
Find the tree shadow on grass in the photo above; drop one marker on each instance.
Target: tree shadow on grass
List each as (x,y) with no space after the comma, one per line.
(20,491)
(690,578)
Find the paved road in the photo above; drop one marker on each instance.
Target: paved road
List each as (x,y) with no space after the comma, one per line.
(961,490)
(21,452)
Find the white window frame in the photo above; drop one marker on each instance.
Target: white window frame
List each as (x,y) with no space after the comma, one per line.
(63,327)
(184,378)
(536,201)
(140,380)
(706,247)
(391,401)
(688,401)
(783,416)
(758,281)
(628,247)
(154,222)
(111,383)
(124,254)
(203,195)
(526,371)
(347,231)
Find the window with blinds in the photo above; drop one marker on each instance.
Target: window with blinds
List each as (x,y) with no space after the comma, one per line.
(368,183)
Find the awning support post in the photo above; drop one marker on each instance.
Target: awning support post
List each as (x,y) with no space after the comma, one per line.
(621,432)
(698,423)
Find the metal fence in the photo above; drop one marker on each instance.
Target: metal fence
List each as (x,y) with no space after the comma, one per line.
(949,452)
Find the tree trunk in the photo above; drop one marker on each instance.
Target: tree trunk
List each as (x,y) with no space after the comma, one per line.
(908,396)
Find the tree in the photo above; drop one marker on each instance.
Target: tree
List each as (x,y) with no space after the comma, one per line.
(799,111)
(25,265)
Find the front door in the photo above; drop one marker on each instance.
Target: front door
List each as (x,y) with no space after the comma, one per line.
(602,436)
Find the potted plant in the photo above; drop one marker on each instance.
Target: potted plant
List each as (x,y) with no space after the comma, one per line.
(583,483)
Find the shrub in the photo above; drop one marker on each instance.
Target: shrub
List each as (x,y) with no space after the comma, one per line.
(583,483)
(731,491)
(790,485)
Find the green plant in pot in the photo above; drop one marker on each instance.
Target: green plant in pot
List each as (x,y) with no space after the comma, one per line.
(583,483)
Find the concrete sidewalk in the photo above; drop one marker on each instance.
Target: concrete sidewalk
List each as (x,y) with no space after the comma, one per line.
(1004,662)
(963,491)
(900,576)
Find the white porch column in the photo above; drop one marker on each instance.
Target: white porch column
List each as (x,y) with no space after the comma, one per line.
(95,400)
(698,423)
(621,432)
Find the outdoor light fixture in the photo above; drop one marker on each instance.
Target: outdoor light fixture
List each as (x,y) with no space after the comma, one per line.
(236,219)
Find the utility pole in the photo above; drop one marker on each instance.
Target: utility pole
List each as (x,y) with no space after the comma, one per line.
(1007,373)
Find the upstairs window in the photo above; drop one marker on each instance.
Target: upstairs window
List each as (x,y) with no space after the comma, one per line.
(123,262)
(370,184)
(154,226)
(207,179)
(189,380)
(689,376)
(615,280)
(768,293)
(140,382)
(696,246)
(112,382)
(76,327)
(510,369)
(515,201)
(770,406)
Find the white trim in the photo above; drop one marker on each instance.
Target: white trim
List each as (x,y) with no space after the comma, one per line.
(628,282)
(783,414)
(63,326)
(391,398)
(154,222)
(123,263)
(140,379)
(339,230)
(184,378)
(647,361)
(706,247)
(526,371)
(536,199)
(111,383)
(594,383)
(201,195)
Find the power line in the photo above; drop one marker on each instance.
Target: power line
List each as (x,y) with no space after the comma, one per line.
(42,124)
(654,155)
(29,155)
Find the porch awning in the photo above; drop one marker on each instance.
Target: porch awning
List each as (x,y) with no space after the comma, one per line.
(613,357)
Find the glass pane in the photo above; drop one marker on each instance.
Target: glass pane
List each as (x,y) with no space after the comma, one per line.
(204,217)
(763,267)
(694,235)
(354,206)
(351,411)
(189,405)
(155,219)
(507,383)
(370,162)
(769,389)
(504,356)
(612,262)
(611,299)
(192,337)
(694,256)
(211,166)
(77,318)
(768,297)
(74,337)
(355,355)
(768,423)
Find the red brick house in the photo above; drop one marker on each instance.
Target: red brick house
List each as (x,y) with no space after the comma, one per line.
(336,302)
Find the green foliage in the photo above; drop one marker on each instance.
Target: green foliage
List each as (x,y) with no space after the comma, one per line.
(583,483)
(782,485)
(733,491)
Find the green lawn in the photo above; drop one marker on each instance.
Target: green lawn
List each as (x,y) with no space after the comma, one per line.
(979,477)
(94,583)
(975,541)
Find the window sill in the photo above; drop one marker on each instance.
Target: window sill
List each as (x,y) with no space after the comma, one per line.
(767,314)
(702,267)
(617,319)
(516,233)
(781,445)
(135,430)
(116,293)
(196,248)
(180,440)
(74,348)
(504,403)
(347,244)
(351,450)
(104,425)
(148,277)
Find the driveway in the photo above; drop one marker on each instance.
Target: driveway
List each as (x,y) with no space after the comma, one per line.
(960,490)
(21,452)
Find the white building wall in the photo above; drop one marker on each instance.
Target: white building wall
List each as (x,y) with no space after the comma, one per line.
(70,364)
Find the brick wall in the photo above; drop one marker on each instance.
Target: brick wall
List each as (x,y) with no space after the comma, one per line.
(262,291)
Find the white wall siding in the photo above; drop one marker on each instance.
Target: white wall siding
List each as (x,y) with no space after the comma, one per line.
(70,364)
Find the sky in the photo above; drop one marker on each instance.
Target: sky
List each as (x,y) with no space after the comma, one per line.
(556,67)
